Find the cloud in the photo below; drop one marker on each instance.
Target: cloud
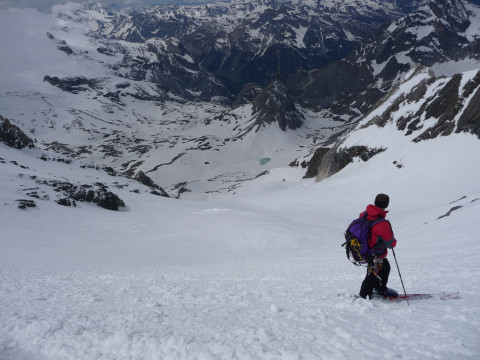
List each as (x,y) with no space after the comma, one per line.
(66,7)
(46,5)
(42,5)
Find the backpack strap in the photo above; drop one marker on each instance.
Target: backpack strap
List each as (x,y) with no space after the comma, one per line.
(375,222)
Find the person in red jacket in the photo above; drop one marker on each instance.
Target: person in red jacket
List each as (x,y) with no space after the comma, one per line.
(380,240)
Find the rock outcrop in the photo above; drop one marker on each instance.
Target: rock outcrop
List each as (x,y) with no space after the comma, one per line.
(13,136)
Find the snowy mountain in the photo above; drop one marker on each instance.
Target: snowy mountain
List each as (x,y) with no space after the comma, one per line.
(258,274)
(138,91)
(100,94)
(426,102)
(442,35)
(246,41)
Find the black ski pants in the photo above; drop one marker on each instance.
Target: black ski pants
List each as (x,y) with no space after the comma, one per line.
(372,282)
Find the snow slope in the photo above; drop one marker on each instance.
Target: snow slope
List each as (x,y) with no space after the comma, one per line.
(259,275)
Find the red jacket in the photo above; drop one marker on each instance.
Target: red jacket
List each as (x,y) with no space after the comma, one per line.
(382,232)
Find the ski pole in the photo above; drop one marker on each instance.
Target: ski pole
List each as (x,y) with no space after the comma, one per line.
(395,257)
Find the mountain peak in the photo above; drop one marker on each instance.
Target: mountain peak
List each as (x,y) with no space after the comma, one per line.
(453,11)
(274,105)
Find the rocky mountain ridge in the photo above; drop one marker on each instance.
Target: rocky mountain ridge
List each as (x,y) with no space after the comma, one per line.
(438,33)
(252,41)
(441,35)
(420,107)
(153,111)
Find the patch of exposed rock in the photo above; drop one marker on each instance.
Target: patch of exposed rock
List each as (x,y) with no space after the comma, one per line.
(315,161)
(97,194)
(147,181)
(73,84)
(332,161)
(274,105)
(13,136)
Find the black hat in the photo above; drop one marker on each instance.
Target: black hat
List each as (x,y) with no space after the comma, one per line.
(382,201)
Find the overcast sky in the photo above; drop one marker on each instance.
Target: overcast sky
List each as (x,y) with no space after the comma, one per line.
(46,5)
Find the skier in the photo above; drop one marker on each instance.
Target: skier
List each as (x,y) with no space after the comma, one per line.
(381,238)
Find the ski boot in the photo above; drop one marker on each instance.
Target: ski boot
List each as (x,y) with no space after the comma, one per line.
(387,292)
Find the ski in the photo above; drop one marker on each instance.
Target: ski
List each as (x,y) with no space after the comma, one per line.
(403,297)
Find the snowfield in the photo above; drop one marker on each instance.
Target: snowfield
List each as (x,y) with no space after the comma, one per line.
(258,275)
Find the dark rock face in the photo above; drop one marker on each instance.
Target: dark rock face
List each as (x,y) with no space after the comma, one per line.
(248,93)
(144,179)
(106,51)
(24,204)
(327,86)
(450,211)
(147,181)
(453,11)
(470,119)
(444,108)
(274,105)
(174,73)
(337,158)
(13,136)
(315,162)
(73,84)
(66,202)
(65,48)
(97,194)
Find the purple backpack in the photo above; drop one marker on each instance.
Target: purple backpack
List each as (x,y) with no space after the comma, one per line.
(356,240)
